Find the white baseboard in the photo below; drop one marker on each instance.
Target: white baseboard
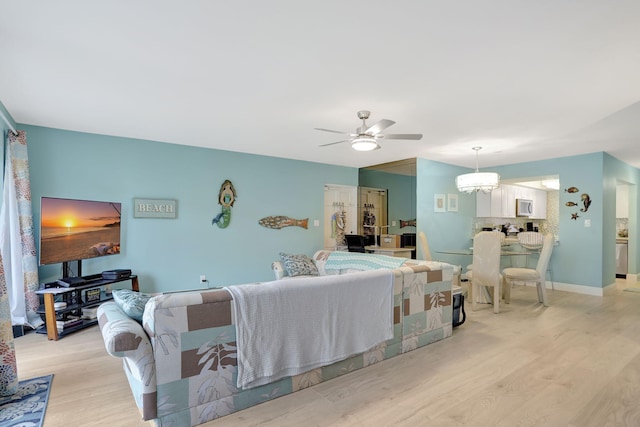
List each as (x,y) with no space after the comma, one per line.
(578,289)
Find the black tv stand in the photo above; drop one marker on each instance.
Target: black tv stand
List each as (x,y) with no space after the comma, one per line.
(76,298)
(71,281)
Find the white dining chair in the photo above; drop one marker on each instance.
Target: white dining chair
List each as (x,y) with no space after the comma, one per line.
(530,275)
(426,255)
(533,241)
(424,246)
(486,267)
(502,239)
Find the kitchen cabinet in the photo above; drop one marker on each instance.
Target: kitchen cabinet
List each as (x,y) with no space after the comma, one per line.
(509,201)
(539,204)
(483,204)
(496,203)
(622,201)
(501,202)
(490,205)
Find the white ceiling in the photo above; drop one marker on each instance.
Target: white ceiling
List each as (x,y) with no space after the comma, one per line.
(526,80)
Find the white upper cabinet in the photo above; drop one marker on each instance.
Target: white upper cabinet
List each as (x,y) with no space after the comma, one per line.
(622,201)
(483,204)
(501,202)
(496,204)
(508,201)
(539,204)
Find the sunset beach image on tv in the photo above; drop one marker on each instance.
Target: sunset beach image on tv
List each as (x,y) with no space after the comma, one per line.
(73,230)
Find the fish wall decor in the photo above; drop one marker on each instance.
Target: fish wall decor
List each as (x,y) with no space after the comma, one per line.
(571,204)
(226,197)
(277,222)
(586,202)
(571,190)
(407,223)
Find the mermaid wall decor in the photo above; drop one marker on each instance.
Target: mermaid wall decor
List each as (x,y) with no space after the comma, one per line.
(226,197)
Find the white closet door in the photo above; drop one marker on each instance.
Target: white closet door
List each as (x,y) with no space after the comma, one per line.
(340,214)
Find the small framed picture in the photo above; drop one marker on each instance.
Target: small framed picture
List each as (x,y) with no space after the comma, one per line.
(439,203)
(452,202)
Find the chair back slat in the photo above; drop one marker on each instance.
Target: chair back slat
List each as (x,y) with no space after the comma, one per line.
(545,255)
(531,239)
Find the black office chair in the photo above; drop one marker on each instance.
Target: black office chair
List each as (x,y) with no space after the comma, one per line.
(355,242)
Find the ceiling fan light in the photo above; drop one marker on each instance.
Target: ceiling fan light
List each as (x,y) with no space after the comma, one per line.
(364,144)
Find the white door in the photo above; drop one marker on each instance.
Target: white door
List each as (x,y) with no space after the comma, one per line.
(340,214)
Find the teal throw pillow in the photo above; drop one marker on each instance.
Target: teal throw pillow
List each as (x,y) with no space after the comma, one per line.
(131,302)
(298,265)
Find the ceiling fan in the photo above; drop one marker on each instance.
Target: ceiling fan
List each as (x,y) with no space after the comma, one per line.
(366,137)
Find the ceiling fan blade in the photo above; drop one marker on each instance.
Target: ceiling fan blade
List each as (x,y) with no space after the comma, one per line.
(333,143)
(333,131)
(379,127)
(414,136)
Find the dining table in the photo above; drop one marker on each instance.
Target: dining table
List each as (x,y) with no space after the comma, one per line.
(485,296)
(469,251)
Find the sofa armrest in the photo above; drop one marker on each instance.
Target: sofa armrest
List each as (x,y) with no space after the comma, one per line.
(121,333)
(124,337)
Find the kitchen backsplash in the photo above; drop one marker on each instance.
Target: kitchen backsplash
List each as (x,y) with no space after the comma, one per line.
(518,222)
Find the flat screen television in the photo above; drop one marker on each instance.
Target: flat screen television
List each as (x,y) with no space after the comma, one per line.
(74,230)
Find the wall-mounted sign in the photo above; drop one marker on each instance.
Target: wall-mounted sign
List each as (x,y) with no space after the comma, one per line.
(155,208)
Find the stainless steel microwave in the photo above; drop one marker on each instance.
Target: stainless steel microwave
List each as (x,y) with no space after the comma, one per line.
(524,207)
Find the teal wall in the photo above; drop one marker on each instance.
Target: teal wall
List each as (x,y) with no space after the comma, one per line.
(171,254)
(444,230)
(401,196)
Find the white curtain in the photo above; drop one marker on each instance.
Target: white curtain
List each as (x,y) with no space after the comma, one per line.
(8,365)
(17,241)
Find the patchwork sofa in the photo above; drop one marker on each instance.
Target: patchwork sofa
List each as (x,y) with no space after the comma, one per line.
(181,361)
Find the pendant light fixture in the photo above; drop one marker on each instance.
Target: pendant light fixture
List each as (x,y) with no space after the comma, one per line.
(477,181)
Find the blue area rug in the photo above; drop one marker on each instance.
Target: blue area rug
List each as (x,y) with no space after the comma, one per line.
(27,406)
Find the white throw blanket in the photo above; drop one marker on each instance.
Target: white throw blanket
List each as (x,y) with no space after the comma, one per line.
(288,327)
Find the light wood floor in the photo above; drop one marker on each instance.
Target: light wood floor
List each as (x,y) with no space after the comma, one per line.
(575,363)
